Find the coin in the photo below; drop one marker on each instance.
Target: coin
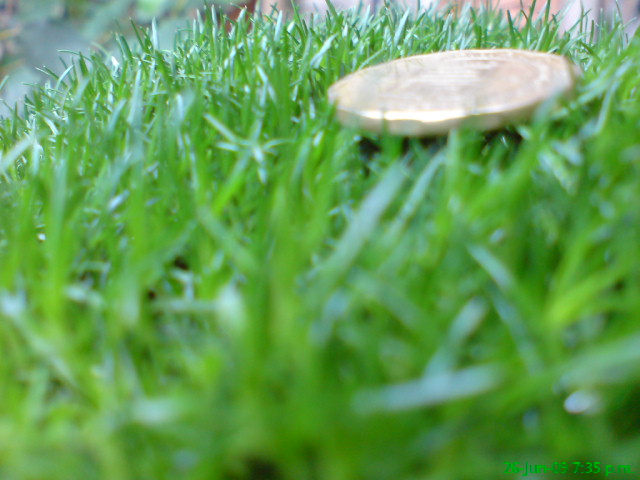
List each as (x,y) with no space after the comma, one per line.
(432,94)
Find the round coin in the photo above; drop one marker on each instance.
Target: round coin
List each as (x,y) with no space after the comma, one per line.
(435,93)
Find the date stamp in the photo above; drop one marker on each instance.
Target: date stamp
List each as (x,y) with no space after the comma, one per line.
(526,468)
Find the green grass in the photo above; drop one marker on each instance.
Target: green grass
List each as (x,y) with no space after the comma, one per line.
(202,275)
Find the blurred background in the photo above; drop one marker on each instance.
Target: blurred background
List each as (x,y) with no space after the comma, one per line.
(38,33)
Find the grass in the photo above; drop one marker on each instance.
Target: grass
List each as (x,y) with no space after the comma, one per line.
(202,275)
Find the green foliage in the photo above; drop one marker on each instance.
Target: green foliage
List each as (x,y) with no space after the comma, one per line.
(204,276)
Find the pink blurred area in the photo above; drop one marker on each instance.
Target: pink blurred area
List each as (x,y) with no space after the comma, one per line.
(570,10)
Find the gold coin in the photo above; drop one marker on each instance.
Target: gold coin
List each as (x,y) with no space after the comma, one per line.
(434,93)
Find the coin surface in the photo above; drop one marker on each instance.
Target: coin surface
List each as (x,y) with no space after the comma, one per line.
(435,93)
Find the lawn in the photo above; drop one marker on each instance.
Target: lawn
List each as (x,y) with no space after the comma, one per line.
(204,276)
